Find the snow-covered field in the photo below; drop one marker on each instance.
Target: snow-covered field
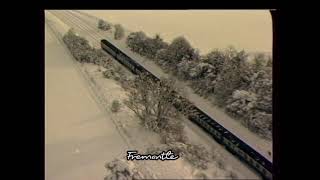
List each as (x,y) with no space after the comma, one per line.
(87,27)
(140,139)
(81,132)
(80,138)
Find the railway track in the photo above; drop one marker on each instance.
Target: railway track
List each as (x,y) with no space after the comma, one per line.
(95,37)
(92,34)
(98,96)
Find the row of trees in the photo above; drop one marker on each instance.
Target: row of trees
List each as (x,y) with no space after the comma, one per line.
(228,77)
(82,51)
(118,29)
(151,101)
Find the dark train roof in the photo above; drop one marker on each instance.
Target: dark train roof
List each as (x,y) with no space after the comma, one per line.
(230,136)
(244,146)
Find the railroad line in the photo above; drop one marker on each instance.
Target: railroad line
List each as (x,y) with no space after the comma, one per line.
(101,101)
(250,156)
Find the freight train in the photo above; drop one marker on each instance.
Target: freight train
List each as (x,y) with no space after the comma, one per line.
(232,143)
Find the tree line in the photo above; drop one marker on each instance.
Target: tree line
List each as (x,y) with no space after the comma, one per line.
(227,77)
(151,101)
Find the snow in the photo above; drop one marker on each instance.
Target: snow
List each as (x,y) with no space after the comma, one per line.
(140,138)
(82,134)
(260,144)
(79,137)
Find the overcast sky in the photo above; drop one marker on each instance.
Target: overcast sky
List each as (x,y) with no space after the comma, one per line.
(250,30)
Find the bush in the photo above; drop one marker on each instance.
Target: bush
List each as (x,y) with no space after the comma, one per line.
(115,106)
(201,175)
(241,103)
(227,76)
(232,175)
(170,137)
(261,123)
(231,76)
(196,155)
(145,46)
(220,164)
(119,32)
(82,51)
(103,25)
(121,170)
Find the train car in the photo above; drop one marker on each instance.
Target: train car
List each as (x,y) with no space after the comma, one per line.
(121,57)
(232,143)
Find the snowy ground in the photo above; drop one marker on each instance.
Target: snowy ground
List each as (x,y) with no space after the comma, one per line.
(140,139)
(86,26)
(82,134)
(80,138)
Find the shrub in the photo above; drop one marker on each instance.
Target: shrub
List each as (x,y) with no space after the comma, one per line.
(232,175)
(201,175)
(115,106)
(122,170)
(103,25)
(119,32)
(220,164)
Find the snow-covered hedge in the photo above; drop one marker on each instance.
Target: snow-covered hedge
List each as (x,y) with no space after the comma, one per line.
(82,51)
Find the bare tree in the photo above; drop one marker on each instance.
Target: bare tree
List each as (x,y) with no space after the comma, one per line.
(152,102)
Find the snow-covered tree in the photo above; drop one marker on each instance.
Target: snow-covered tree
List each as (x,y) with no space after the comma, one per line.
(269,62)
(103,25)
(152,102)
(241,103)
(261,123)
(162,57)
(184,70)
(135,41)
(261,84)
(216,58)
(179,50)
(231,76)
(145,46)
(259,60)
(152,45)
(119,32)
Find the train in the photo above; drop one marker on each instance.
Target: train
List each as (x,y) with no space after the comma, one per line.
(231,142)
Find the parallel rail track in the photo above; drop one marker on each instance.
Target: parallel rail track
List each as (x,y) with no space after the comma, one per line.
(96,93)
(217,131)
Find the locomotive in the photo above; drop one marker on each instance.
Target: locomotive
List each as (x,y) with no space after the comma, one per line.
(232,143)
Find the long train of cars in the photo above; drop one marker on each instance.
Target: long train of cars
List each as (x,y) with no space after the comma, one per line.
(235,145)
